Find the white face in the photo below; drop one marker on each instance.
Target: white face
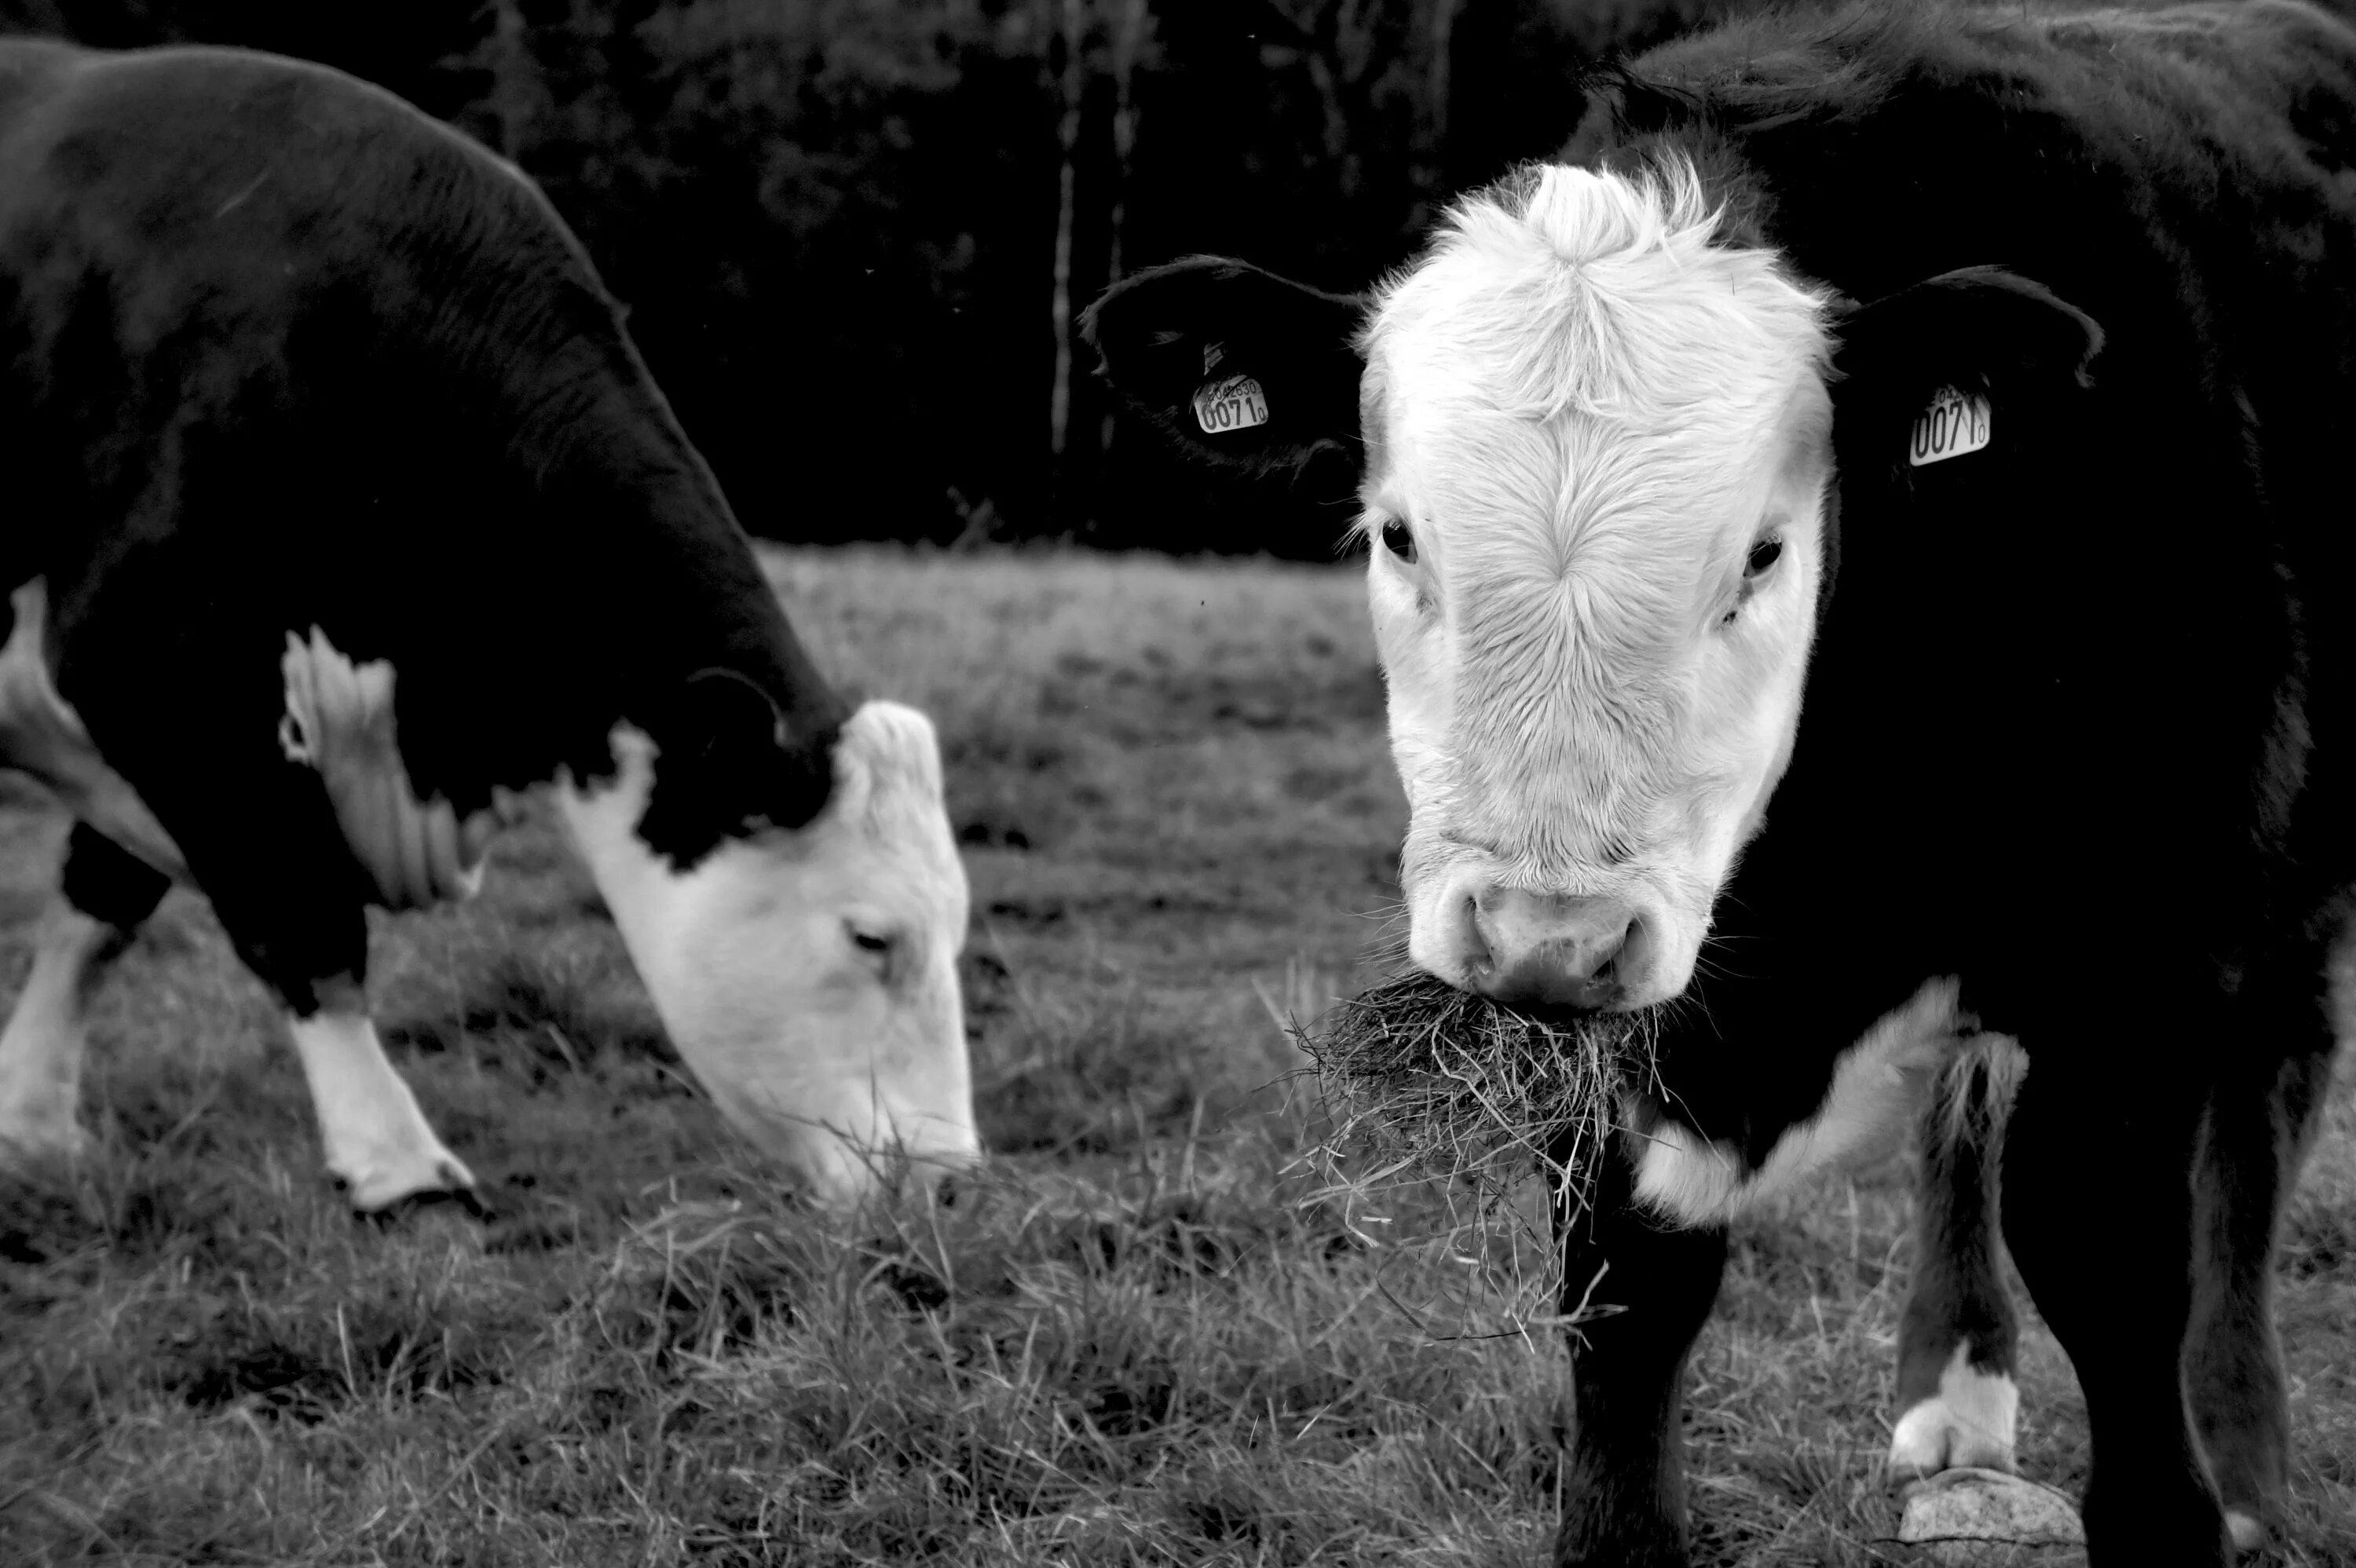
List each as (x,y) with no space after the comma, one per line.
(1597,464)
(809,977)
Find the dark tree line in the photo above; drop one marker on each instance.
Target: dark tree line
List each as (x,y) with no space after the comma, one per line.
(854,233)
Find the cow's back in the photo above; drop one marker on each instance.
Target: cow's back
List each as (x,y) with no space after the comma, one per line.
(2199,155)
(193,217)
(277,343)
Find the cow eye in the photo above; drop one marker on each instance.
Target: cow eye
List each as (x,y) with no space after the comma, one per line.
(1762,555)
(873,945)
(1399,540)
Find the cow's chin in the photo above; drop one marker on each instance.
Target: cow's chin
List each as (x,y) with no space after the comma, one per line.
(845,1132)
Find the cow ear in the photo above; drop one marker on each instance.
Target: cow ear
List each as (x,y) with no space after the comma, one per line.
(723,717)
(1235,365)
(1963,362)
(726,762)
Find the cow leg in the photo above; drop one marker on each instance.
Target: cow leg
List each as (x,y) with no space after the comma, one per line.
(103,896)
(379,1145)
(2253,1139)
(1956,1337)
(2098,1212)
(1625,1492)
(199,738)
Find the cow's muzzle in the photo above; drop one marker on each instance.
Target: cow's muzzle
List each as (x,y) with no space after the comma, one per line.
(1532,949)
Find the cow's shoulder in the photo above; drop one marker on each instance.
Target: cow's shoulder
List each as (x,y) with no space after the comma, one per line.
(32,71)
(2259,83)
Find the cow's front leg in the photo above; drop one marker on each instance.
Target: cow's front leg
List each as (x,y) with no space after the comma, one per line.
(104,895)
(260,836)
(2253,1139)
(1640,1292)
(1957,1402)
(379,1145)
(2098,1213)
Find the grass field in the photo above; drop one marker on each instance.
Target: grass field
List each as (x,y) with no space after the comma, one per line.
(1136,1338)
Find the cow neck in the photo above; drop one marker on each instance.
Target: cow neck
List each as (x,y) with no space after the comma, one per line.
(610,461)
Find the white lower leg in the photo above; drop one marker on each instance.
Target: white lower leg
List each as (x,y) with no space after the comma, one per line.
(1969,1422)
(378,1141)
(41,1049)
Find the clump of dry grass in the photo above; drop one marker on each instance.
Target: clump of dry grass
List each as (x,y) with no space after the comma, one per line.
(1424,1085)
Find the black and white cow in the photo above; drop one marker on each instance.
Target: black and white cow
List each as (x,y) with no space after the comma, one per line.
(344,512)
(1876,511)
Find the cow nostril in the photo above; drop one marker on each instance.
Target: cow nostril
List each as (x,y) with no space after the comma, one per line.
(1479,958)
(1635,945)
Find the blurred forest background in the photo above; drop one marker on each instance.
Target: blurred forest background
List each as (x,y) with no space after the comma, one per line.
(853,234)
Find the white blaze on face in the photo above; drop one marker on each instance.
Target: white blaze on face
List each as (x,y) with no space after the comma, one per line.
(1602,438)
(809,977)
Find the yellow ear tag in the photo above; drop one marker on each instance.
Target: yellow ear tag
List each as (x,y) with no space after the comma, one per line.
(1234,404)
(1955,423)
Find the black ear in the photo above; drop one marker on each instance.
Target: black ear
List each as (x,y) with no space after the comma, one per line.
(727,763)
(723,715)
(1233,364)
(1971,362)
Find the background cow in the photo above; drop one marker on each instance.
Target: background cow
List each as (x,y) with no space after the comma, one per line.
(1972,380)
(345,510)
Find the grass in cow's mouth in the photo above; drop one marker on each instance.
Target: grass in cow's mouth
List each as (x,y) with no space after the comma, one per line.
(1420,1081)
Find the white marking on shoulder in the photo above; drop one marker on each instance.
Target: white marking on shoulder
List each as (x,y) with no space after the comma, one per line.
(40,734)
(1971,1422)
(339,722)
(1877,1085)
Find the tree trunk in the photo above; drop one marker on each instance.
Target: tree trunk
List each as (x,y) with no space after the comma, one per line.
(1432,162)
(1074,85)
(1127,40)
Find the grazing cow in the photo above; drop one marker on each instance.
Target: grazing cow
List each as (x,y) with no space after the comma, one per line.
(1875,509)
(347,513)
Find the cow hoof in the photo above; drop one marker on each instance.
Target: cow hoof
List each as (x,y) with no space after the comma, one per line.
(407,1207)
(2249,1530)
(1960,1514)
(389,1195)
(1968,1424)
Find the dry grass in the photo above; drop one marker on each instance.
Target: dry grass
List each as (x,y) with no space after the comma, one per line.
(1139,1338)
(1425,1092)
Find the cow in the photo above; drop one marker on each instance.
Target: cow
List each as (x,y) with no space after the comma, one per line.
(1858,552)
(348,520)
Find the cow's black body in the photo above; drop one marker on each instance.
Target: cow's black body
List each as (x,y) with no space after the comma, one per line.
(2080,725)
(2080,721)
(283,353)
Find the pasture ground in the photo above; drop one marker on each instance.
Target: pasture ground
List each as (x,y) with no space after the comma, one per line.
(1133,1340)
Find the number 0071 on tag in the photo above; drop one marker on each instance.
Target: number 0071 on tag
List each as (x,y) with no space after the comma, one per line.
(1954,425)
(1234,404)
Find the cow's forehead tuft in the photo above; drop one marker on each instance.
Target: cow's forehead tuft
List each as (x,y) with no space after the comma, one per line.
(1571,289)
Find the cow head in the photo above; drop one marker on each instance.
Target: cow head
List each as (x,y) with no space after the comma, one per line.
(1596,439)
(807,974)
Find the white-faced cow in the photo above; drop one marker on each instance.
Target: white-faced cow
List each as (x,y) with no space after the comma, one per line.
(1862,546)
(345,511)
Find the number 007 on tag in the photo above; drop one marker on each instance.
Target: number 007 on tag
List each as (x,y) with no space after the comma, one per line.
(1234,404)
(1955,423)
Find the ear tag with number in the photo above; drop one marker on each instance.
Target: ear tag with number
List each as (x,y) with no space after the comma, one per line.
(1955,422)
(1234,404)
